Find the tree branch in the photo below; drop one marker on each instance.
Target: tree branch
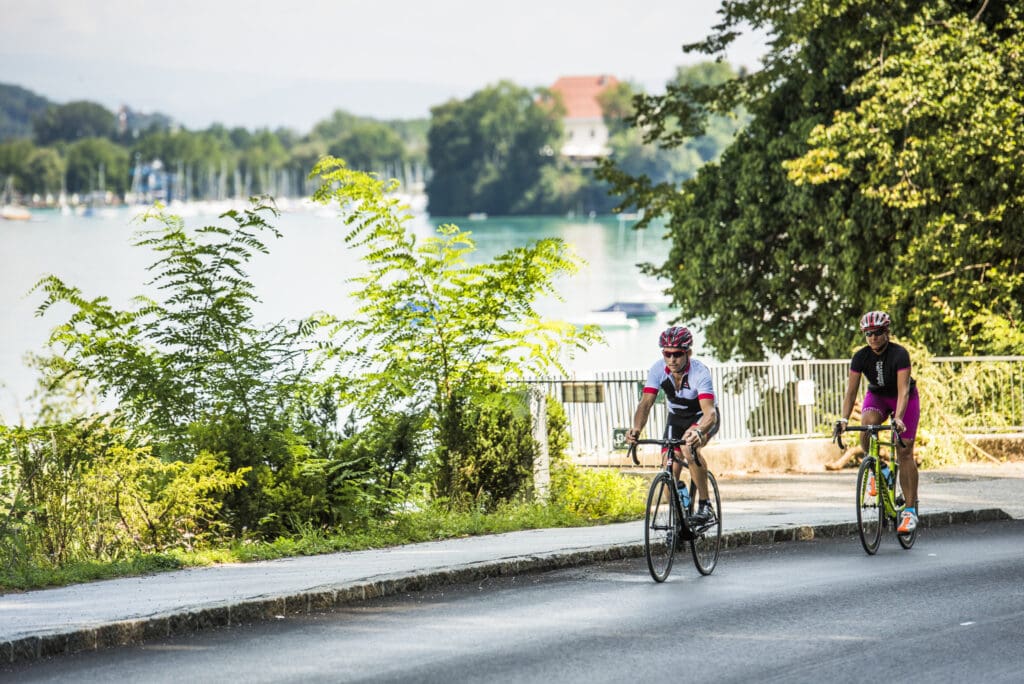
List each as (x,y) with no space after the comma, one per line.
(939,276)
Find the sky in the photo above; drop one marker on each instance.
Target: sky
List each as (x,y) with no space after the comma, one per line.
(268,63)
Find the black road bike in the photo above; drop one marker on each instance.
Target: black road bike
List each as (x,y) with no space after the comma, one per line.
(668,525)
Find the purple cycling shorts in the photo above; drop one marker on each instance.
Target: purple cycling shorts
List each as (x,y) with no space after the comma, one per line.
(887,407)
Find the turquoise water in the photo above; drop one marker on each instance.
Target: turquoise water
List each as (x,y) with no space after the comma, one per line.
(306,272)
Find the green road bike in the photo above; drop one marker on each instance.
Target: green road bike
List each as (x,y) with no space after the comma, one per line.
(877,511)
(668,525)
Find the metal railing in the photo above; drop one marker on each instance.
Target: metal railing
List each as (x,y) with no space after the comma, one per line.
(779,399)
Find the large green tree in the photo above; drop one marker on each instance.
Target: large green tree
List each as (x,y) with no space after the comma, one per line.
(369,146)
(777,258)
(97,164)
(74,121)
(939,137)
(441,338)
(487,153)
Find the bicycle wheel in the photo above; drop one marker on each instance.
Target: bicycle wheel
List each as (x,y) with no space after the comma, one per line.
(707,540)
(869,509)
(906,540)
(660,526)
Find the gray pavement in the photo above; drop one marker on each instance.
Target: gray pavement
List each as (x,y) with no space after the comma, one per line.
(756,509)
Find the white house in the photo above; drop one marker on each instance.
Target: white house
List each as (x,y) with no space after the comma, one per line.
(586,136)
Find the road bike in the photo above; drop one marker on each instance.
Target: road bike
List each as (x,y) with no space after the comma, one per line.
(668,524)
(876,511)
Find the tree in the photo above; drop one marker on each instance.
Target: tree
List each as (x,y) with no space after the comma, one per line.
(97,164)
(938,136)
(14,159)
(192,372)
(488,152)
(75,121)
(439,336)
(769,264)
(369,147)
(44,171)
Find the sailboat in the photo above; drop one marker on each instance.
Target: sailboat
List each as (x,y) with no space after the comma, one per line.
(8,208)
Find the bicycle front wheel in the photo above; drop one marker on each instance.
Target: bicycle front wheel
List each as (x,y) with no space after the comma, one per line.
(707,539)
(660,529)
(869,508)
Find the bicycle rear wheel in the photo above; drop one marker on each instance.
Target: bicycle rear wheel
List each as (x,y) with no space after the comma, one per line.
(869,508)
(707,541)
(906,540)
(660,526)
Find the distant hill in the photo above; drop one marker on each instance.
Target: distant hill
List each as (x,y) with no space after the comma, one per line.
(17,107)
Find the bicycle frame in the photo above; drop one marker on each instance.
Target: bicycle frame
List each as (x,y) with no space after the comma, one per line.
(886,494)
(674,446)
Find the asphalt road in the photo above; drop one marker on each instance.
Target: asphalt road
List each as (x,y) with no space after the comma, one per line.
(951,609)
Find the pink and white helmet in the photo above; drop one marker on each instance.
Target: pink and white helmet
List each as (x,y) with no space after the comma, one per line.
(873,320)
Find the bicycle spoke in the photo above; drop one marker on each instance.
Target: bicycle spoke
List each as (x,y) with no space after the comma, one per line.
(708,542)
(869,509)
(660,527)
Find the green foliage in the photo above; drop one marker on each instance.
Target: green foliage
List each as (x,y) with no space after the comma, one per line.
(488,152)
(938,136)
(594,494)
(193,371)
(955,395)
(438,336)
(96,164)
(771,264)
(76,491)
(74,121)
(369,147)
(558,431)
(486,450)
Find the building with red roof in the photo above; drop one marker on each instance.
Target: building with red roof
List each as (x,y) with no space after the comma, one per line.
(586,136)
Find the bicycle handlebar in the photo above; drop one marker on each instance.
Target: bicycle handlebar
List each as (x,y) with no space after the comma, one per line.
(873,429)
(666,443)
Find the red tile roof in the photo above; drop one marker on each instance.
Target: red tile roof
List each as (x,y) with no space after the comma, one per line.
(579,93)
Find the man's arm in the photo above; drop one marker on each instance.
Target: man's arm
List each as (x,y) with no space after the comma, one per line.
(643,410)
(697,434)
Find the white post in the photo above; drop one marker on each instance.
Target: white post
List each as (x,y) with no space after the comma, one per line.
(542,466)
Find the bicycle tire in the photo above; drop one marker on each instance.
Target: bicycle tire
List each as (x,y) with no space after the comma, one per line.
(707,542)
(907,539)
(661,526)
(869,509)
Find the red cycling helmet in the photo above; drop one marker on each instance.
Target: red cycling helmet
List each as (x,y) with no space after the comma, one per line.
(874,319)
(678,337)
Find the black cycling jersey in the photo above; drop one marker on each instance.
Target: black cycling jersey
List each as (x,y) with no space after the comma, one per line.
(880,369)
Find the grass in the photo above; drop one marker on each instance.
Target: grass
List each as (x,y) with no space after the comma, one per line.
(584,498)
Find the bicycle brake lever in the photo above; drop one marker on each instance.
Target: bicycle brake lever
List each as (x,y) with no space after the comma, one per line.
(837,439)
(632,454)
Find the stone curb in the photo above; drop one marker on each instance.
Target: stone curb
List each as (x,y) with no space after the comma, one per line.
(321,600)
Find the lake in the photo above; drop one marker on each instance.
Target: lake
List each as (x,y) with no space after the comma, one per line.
(305,272)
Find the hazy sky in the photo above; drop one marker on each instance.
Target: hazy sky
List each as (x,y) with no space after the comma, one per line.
(273,63)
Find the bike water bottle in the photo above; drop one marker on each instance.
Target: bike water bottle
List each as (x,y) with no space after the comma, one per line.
(889,476)
(684,496)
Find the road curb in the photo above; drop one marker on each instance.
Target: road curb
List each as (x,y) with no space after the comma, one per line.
(328,598)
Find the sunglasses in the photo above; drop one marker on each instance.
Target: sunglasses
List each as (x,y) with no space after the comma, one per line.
(874,333)
(673,355)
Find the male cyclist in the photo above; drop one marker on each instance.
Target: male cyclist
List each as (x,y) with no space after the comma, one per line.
(692,410)
(891,392)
